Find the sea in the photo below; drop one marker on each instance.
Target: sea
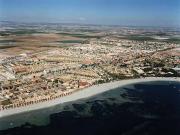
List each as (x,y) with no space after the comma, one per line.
(150,108)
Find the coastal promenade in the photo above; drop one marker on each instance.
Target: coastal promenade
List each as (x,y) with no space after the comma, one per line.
(79,94)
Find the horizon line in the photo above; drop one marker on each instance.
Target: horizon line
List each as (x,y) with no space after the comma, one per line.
(93,24)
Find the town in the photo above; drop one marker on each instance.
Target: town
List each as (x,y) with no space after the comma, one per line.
(39,74)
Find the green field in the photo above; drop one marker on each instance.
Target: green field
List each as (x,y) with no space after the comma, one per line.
(139,38)
(19,32)
(173,40)
(71,41)
(147,38)
(7,41)
(78,35)
(6,46)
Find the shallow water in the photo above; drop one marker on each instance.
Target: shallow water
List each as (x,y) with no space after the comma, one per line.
(143,108)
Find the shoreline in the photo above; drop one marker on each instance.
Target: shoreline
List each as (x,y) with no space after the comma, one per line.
(84,93)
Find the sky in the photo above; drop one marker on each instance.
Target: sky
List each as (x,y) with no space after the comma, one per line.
(107,12)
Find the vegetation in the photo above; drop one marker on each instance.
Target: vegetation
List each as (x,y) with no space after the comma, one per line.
(139,38)
(77,35)
(71,41)
(7,41)
(173,40)
(19,32)
(4,47)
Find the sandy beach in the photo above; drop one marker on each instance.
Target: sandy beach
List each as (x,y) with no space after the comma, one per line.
(85,93)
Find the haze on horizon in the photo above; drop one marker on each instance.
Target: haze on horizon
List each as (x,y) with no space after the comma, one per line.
(108,12)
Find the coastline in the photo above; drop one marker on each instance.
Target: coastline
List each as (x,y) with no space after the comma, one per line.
(84,93)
